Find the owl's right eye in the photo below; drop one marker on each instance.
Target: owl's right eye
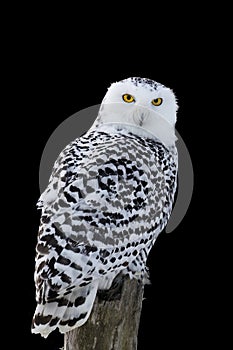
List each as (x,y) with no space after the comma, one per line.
(128,98)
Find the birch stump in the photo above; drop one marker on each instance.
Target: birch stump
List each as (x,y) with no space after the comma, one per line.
(114,320)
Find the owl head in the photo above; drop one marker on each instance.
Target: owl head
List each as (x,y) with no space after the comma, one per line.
(142,106)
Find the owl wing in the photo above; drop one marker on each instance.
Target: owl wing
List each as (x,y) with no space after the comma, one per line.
(107,196)
(101,197)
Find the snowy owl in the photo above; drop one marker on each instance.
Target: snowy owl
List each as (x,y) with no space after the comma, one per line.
(110,194)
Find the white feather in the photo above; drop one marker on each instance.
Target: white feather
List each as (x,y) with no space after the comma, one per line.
(140,117)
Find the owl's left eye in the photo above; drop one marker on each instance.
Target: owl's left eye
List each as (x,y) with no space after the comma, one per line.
(128,98)
(157,101)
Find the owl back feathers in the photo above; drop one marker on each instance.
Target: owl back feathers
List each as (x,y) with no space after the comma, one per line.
(110,195)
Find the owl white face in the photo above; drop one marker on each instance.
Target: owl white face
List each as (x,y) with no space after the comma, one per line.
(142,105)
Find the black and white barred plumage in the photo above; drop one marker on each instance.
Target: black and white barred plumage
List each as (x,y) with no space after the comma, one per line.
(109,196)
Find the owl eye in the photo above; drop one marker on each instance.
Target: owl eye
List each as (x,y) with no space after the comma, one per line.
(157,101)
(128,98)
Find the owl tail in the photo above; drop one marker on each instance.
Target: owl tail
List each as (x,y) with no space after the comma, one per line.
(65,313)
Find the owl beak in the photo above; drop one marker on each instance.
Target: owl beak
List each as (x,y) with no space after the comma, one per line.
(141,118)
(140,115)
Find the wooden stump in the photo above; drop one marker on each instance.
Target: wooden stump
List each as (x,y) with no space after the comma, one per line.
(114,320)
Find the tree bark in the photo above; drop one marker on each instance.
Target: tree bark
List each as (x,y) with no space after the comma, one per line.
(114,320)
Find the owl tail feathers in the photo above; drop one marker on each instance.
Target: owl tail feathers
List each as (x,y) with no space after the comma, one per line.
(66,313)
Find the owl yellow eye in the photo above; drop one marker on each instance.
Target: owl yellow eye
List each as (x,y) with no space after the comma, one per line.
(157,101)
(128,98)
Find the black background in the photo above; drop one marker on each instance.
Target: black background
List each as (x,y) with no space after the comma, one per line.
(58,75)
